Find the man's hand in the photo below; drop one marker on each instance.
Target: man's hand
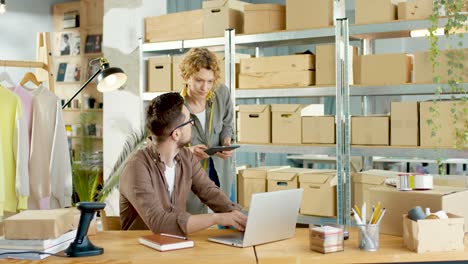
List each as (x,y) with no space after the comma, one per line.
(198,151)
(235,218)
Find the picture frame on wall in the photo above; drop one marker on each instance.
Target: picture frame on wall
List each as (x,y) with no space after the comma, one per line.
(69,44)
(93,43)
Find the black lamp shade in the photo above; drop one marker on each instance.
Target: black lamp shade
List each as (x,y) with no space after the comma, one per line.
(111,79)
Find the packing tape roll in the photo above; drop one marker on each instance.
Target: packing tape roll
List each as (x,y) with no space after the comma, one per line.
(423,182)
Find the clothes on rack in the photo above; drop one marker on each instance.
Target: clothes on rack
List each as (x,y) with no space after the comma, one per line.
(50,165)
(14,174)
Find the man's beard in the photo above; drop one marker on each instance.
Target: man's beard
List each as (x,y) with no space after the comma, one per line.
(184,143)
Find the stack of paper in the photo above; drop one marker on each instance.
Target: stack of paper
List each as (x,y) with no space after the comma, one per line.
(326,239)
(14,248)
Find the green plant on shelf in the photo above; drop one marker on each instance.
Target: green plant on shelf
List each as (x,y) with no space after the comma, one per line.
(453,59)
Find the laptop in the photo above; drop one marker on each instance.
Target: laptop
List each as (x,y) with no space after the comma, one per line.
(272,217)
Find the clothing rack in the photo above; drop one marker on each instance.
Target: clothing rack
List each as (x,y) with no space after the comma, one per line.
(43,63)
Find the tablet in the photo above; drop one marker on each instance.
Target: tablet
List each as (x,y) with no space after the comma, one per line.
(215,149)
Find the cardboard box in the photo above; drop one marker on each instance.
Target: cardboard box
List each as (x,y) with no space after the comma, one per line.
(254,123)
(260,18)
(320,13)
(318,129)
(434,235)
(177,81)
(286,123)
(159,74)
(175,26)
(370,130)
(404,120)
(219,15)
(285,178)
(363,181)
(384,69)
(326,64)
(276,79)
(39,224)
(374,11)
(414,9)
(253,180)
(423,72)
(460,181)
(446,132)
(319,193)
(450,199)
(287,63)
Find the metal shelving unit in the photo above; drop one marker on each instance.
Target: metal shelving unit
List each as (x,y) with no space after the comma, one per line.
(362,35)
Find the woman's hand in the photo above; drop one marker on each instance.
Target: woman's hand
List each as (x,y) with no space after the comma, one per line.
(198,151)
(227,153)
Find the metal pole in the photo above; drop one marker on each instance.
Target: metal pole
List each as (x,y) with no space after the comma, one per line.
(230,81)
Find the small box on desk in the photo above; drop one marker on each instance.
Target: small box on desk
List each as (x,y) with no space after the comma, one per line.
(160,74)
(260,18)
(434,235)
(326,239)
(39,224)
(254,123)
(253,180)
(450,199)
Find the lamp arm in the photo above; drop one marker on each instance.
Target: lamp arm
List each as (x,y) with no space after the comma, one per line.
(82,87)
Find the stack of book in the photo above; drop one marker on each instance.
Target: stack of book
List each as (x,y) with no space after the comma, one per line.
(326,239)
(34,249)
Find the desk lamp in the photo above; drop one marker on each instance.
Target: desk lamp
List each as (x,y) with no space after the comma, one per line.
(81,246)
(109,78)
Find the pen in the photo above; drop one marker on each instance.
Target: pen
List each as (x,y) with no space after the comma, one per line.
(174,236)
(377,213)
(381,216)
(372,215)
(363,213)
(357,210)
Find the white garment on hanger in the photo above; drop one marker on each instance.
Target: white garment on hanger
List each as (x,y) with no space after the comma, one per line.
(50,166)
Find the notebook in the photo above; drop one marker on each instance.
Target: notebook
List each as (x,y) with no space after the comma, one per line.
(165,243)
(272,217)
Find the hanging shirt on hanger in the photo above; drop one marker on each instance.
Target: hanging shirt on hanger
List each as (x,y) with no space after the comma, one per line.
(14,181)
(26,102)
(50,166)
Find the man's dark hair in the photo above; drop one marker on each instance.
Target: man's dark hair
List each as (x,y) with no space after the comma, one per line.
(164,113)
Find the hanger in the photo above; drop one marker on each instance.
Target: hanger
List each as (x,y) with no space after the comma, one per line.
(5,77)
(30,77)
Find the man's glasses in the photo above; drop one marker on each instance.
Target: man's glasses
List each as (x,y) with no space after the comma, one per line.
(190,121)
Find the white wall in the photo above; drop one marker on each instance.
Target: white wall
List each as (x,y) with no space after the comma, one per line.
(123,109)
(18,31)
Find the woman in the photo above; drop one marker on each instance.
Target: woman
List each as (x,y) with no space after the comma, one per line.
(210,106)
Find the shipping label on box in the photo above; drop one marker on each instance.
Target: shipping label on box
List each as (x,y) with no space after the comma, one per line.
(160,74)
(318,129)
(446,131)
(424,73)
(276,79)
(414,9)
(260,18)
(434,235)
(384,69)
(175,26)
(320,13)
(370,130)
(254,124)
(404,120)
(253,180)
(286,123)
(450,199)
(218,15)
(319,193)
(288,63)
(374,11)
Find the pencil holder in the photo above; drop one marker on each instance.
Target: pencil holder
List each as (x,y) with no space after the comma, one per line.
(368,237)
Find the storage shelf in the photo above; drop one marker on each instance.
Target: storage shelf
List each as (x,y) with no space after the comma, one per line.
(387,151)
(354,90)
(320,91)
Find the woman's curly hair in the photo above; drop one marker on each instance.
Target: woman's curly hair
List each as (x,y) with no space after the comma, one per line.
(197,59)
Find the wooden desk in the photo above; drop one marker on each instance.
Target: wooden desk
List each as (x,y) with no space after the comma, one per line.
(123,247)
(296,250)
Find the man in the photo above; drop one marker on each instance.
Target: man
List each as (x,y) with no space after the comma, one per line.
(156,181)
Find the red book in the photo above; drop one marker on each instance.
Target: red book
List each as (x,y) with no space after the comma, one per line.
(165,242)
